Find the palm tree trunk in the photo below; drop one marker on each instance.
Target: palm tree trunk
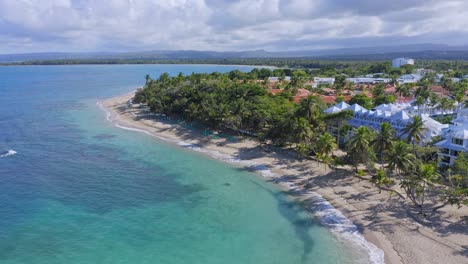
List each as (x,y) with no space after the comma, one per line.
(423,197)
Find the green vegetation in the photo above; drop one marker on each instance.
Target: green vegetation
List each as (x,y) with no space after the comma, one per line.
(320,66)
(240,102)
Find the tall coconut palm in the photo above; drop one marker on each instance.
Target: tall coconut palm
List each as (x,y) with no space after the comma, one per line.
(302,131)
(400,158)
(414,130)
(383,141)
(359,145)
(324,147)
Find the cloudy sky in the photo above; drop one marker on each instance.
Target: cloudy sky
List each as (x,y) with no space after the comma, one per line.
(274,25)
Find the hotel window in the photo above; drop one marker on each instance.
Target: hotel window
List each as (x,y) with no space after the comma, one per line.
(457,141)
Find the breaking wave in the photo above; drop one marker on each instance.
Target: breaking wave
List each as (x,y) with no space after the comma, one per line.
(8,153)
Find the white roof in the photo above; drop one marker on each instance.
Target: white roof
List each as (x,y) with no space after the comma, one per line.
(410,77)
(401,115)
(355,108)
(461,134)
(332,110)
(432,125)
(342,105)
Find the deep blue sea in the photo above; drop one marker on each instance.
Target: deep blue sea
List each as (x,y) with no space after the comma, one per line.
(74,189)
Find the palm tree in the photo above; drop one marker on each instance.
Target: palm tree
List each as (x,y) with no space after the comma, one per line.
(302,132)
(400,158)
(383,142)
(414,130)
(148,79)
(309,107)
(381,180)
(419,102)
(359,145)
(429,176)
(302,135)
(415,186)
(402,90)
(394,80)
(325,145)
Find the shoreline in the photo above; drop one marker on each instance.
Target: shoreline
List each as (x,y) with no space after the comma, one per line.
(350,208)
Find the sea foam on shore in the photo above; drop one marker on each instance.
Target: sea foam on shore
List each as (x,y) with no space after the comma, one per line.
(342,227)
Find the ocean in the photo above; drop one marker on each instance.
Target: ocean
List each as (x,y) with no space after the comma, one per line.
(76,189)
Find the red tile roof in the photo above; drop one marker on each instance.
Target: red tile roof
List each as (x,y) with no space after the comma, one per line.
(440,91)
(275,91)
(303,92)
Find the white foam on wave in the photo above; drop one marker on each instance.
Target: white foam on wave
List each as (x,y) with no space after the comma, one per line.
(108,113)
(328,215)
(343,228)
(8,153)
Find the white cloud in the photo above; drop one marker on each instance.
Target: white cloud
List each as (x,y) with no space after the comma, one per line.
(76,25)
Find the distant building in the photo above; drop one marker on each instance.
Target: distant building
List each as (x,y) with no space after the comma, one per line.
(277,79)
(325,80)
(368,80)
(397,63)
(409,78)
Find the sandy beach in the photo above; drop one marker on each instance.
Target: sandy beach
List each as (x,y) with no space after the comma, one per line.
(380,218)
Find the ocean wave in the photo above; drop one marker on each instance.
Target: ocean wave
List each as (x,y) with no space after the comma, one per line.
(343,228)
(8,153)
(108,113)
(328,215)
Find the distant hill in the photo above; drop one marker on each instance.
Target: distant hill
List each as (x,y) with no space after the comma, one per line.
(419,51)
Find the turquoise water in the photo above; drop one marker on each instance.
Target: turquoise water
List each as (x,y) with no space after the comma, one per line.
(80,190)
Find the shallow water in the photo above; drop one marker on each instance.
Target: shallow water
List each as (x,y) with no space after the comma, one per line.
(79,190)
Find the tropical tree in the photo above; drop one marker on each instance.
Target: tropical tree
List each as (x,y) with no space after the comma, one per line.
(402,90)
(298,78)
(416,185)
(381,179)
(383,141)
(324,146)
(359,146)
(337,121)
(414,130)
(340,81)
(400,158)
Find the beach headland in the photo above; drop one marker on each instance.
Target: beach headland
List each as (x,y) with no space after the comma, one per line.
(352,208)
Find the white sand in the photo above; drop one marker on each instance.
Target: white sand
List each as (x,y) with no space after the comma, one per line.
(380,218)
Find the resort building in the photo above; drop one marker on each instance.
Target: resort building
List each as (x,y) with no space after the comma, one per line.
(368,80)
(394,114)
(409,78)
(324,80)
(397,63)
(455,139)
(277,79)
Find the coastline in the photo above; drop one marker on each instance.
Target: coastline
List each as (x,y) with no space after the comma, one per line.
(376,221)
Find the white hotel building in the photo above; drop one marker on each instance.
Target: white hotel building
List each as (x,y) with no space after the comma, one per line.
(455,139)
(397,115)
(397,63)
